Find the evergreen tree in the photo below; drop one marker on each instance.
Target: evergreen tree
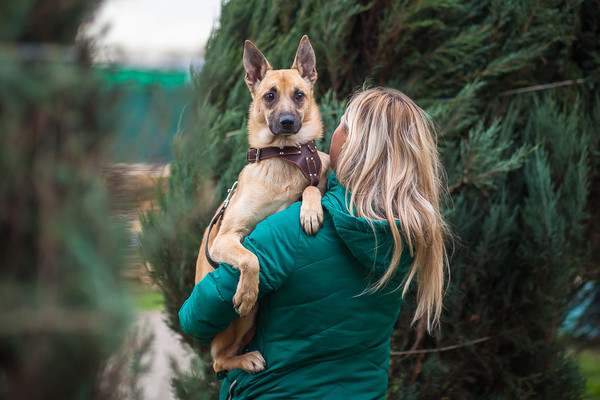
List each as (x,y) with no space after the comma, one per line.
(62,303)
(513,88)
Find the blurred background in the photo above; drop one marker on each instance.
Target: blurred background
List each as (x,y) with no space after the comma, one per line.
(148,49)
(123,123)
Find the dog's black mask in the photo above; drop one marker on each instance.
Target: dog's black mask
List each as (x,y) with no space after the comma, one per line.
(285,124)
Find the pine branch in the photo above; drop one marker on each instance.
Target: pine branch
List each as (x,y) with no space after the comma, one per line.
(441,349)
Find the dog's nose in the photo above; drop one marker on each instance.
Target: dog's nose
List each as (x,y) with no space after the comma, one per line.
(287,122)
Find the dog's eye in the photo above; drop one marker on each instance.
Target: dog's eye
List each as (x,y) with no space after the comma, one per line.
(299,96)
(269,97)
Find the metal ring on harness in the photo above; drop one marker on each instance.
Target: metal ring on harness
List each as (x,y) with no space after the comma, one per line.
(212,262)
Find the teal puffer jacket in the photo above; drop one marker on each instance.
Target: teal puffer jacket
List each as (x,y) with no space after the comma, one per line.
(322,335)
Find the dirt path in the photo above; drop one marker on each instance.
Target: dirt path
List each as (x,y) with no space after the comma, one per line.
(157,382)
(133,188)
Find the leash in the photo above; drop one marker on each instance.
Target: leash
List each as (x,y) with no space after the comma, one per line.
(220,374)
(212,262)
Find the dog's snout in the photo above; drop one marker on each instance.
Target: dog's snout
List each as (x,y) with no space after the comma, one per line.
(287,122)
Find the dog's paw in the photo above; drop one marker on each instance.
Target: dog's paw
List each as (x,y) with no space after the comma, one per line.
(253,362)
(244,301)
(246,292)
(311,217)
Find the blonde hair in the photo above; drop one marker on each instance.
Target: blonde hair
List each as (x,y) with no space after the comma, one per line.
(391,167)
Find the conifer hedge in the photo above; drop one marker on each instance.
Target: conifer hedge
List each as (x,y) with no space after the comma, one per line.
(513,87)
(63,309)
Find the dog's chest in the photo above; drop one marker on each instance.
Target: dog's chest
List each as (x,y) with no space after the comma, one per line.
(275,176)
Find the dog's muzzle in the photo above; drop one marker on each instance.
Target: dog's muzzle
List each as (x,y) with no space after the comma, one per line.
(286,124)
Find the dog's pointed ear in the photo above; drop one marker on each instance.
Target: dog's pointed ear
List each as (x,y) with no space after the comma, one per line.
(305,61)
(255,64)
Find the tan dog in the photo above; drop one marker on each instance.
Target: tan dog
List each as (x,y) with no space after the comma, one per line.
(282,113)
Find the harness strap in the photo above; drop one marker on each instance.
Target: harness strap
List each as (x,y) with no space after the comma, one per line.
(306,157)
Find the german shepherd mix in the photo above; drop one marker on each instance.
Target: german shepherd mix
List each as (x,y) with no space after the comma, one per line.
(283,114)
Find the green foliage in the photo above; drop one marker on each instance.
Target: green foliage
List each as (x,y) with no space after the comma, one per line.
(521,161)
(121,373)
(196,382)
(63,308)
(146,298)
(590,366)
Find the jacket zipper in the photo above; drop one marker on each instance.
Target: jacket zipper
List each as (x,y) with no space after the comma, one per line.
(231,388)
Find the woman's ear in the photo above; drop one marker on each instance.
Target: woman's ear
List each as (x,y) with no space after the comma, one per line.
(337,143)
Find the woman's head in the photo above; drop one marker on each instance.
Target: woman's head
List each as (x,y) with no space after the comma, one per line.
(387,157)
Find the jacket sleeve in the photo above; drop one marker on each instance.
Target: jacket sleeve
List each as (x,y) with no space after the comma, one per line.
(209,309)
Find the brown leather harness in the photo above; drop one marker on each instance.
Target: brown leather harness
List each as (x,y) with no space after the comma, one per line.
(306,157)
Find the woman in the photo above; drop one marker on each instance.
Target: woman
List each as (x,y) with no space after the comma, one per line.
(328,303)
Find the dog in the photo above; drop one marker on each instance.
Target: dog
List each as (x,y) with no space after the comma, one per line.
(283,116)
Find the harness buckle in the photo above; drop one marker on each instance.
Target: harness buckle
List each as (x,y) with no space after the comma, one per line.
(257,155)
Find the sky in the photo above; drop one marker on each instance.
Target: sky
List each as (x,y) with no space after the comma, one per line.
(153,33)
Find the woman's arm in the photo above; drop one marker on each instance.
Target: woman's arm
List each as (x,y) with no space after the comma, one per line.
(209,309)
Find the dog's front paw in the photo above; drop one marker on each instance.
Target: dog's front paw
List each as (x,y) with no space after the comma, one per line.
(246,293)
(311,217)
(244,300)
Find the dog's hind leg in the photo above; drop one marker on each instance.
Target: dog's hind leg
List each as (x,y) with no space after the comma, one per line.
(228,344)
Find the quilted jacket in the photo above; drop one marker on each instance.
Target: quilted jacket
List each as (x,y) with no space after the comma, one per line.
(322,333)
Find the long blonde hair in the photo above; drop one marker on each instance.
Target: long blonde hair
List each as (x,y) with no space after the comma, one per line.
(391,167)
